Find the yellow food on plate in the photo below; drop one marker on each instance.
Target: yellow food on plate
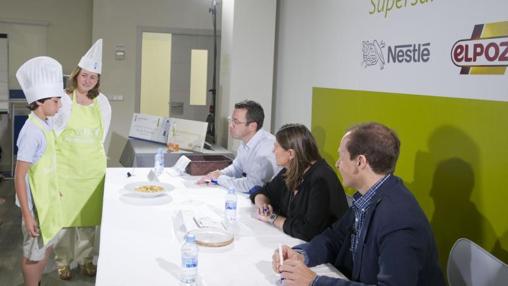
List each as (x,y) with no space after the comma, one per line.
(149,189)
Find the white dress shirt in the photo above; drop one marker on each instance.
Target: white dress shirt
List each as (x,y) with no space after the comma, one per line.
(254,164)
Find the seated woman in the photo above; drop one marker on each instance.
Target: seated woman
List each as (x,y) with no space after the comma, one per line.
(305,197)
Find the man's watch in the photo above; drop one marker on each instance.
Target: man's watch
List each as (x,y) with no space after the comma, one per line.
(273,217)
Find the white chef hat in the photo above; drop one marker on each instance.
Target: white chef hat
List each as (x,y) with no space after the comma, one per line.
(92,60)
(40,77)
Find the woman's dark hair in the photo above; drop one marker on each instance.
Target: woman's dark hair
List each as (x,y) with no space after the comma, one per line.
(298,138)
(378,143)
(72,84)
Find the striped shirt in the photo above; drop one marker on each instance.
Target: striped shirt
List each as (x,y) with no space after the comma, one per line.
(360,206)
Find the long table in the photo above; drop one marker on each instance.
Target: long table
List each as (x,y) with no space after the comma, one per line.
(141,237)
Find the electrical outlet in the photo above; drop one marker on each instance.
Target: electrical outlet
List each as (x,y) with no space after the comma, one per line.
(115,98)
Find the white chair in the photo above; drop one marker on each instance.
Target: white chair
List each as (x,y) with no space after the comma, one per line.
(471,265)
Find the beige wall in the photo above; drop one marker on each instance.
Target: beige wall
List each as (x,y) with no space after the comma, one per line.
(69,29)
(75,24)
(118,22)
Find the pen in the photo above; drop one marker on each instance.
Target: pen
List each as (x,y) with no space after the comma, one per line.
(131,173)
(281,258)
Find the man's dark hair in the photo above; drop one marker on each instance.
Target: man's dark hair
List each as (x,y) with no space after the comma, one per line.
(378,143)
(33,106)
(254,113)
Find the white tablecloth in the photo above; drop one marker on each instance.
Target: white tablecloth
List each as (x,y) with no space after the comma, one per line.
(141,238)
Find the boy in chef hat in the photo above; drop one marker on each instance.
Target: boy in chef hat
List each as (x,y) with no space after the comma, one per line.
(86,111)
(37,195)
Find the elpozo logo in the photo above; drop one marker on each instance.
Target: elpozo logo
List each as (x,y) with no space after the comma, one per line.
(373,53)
(486,52)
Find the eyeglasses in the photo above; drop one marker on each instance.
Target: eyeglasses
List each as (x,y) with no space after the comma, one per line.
(235,121)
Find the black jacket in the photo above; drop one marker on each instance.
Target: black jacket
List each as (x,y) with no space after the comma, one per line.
(320,201)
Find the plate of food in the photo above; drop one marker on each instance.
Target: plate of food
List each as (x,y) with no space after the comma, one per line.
(148,189)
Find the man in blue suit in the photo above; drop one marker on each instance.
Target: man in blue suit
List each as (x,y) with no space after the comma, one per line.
(384,238)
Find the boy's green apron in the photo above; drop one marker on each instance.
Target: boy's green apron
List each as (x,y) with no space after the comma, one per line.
(43,185)
(81,165)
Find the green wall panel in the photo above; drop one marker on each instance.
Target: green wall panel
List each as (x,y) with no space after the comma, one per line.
(454,157)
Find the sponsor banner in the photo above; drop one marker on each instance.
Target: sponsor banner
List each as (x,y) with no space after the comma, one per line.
(486,52)
(375,53)
(387,7)
(457,48)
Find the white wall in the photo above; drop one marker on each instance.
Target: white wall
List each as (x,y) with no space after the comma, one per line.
(224,87)
(294,63)
(248,47)
(320,44)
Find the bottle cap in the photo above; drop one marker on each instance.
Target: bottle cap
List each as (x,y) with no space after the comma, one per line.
(190,237)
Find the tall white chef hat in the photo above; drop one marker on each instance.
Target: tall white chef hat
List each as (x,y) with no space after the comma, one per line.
(92,60)
(41,77)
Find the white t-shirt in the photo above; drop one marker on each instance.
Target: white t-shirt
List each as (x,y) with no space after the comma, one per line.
(64,114)
(31,145)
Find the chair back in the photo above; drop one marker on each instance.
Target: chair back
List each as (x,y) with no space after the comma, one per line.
(470,264)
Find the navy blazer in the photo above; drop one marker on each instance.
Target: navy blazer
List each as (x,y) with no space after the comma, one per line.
(396,245)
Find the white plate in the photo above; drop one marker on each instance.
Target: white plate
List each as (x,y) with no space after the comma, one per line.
(134,188)
(212,236)
(133,199)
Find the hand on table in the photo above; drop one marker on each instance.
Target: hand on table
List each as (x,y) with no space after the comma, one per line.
(295,272)
(287,253)
(263,212)
(209,177)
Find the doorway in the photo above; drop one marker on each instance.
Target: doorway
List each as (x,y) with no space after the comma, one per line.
(176,73)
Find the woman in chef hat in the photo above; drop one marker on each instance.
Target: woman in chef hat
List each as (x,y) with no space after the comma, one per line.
(81,127)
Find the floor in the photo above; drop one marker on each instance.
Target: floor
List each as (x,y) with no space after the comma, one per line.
(10,246)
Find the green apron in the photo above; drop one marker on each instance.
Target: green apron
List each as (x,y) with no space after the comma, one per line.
(43,186)
(81,165)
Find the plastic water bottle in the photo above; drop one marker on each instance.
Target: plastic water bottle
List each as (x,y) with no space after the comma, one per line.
(158,166)
(230,207)
(189,259)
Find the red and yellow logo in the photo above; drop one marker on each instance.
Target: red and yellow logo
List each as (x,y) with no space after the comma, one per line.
(486,52)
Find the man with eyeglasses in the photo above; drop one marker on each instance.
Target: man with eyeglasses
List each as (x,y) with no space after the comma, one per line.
(254,164)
